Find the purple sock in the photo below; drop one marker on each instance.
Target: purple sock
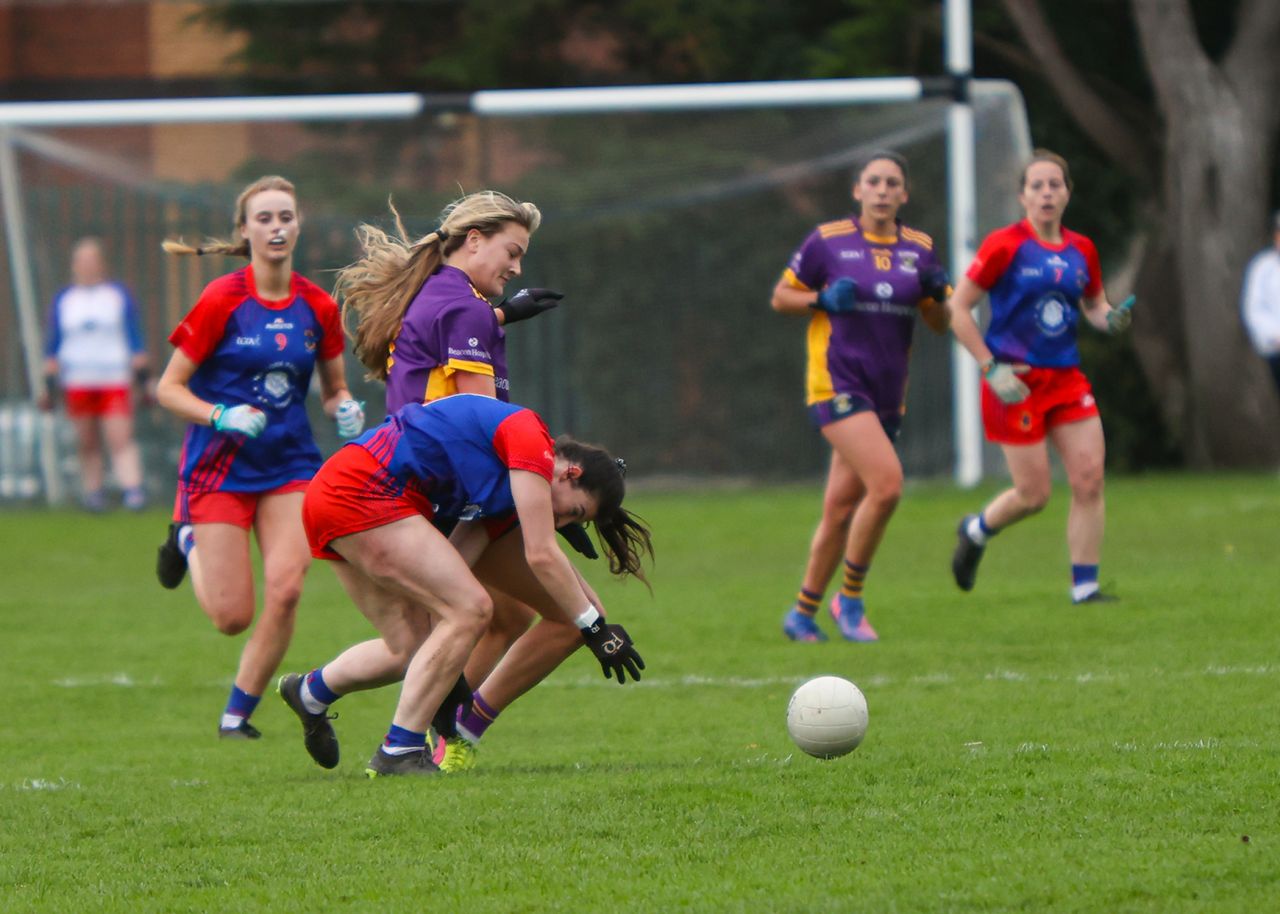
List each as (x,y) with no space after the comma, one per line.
(473,724)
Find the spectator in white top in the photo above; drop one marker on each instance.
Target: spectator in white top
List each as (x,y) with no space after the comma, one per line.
(94,353)
(1260,301)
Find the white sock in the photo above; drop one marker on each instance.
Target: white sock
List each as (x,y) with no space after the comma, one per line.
(401,750)
(975,531)
(1082,591)
(230,721)
(309,701)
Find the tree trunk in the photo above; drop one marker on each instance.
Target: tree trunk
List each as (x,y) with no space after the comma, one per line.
(1220,125)
(1215,202)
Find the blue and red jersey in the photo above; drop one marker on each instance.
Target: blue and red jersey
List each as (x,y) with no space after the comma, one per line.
(261,352)
(460,451)
(448,327)
(864,353)
(1035,289)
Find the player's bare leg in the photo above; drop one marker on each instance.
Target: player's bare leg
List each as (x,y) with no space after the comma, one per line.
(1032,484)
(411,560)
(126,457)
(839,499)
(1082,447)
(285,559)
(92,467)
(862,443)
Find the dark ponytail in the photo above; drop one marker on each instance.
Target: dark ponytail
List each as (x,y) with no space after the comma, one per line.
(625,537)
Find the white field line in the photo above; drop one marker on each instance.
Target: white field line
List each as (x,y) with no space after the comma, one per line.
(877,681)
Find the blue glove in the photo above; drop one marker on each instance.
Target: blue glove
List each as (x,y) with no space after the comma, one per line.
(350,418)
(245,419)
(839,297)
(1118,318)
(934,282)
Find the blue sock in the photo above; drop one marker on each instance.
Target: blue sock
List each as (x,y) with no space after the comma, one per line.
(315,687)
(240,706)
(399,741)
(1084,581)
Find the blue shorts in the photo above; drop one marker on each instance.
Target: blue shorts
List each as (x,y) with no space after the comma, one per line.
(842,406)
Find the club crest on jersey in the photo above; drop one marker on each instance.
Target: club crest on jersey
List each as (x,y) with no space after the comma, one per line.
(276,383)
(1053,315)
(309,341)
(907,261)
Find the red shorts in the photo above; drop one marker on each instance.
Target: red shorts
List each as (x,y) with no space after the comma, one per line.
(1058,396)
(85,402)
(352,493)
(236,508)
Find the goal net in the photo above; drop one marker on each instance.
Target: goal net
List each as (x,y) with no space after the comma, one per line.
(666,230)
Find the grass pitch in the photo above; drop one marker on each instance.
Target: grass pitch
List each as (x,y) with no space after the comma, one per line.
(1022,755)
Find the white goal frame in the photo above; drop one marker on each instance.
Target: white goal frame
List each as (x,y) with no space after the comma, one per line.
(961,190)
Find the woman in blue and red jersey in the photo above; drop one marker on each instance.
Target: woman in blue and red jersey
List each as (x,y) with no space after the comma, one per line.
(862,281)
(1040,277)
(426,327)
(489,466)
(240,375)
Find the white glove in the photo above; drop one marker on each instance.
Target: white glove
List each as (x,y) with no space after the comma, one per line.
(1003,380)
(243,418)
(350,417)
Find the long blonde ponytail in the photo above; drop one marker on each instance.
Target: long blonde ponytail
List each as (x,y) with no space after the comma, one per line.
(379,286)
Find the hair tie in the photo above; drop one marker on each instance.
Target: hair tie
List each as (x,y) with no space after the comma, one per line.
(442,233)
(622,465)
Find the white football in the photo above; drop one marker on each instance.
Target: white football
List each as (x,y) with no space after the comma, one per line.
(827,717)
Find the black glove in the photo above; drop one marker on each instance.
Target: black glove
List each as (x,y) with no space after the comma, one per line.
(459,698)
(934,282)
(613,648)
(577,536)
(528,303)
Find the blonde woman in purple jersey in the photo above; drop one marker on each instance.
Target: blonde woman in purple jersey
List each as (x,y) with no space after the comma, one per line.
(861,280)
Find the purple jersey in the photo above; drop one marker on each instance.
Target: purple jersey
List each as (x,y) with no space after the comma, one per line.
(460,450)
(862,354)
(1035,288)
(448,327)
(260,352)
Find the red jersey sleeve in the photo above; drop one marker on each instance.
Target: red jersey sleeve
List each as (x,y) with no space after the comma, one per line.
(327,314)
(522,442)
(994,256)
(201,330)
(1090,252)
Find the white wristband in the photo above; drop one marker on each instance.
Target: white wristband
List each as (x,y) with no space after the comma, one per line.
(590,616)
